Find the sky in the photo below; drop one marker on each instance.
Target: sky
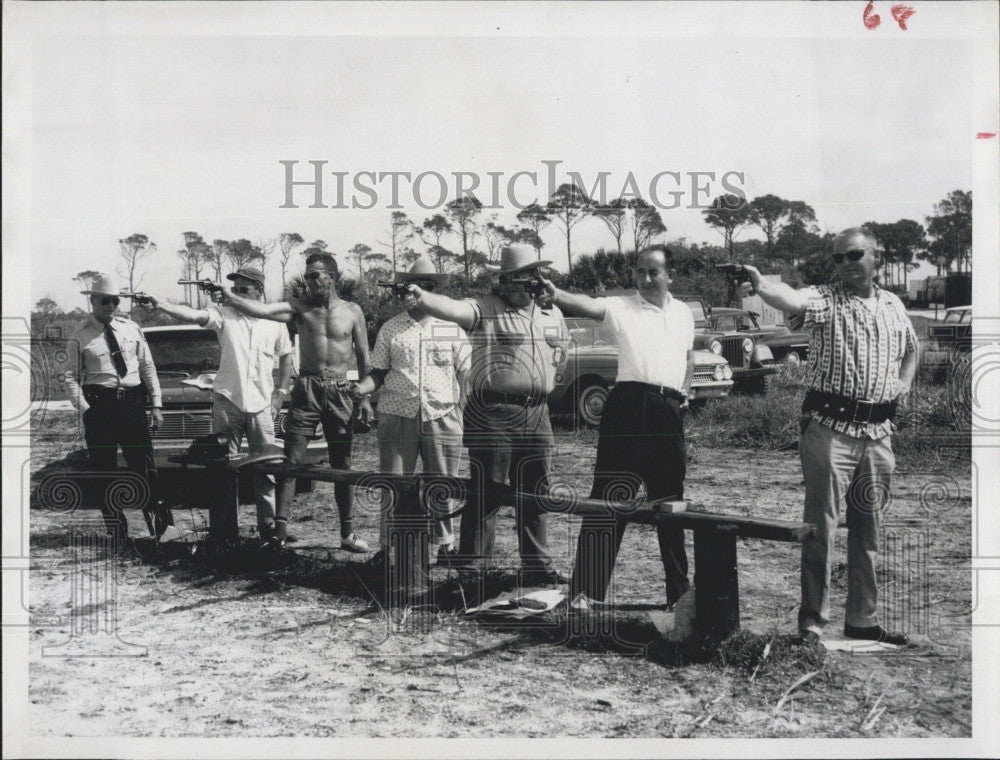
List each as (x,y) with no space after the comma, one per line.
(161,129)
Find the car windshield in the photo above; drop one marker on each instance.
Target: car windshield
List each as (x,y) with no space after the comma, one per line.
(955,317)
(184,351)
(697,310)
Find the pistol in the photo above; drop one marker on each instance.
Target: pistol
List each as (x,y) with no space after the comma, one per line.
(736,272)
(399,289)
(533,286)
(140,298)
(206,285)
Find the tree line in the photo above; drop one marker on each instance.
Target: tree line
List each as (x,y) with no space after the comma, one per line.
(463,240)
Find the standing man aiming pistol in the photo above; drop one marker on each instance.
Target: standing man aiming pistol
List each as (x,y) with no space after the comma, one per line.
(641,437)
(862,359)
(244,397)
(331,330)
(518,348)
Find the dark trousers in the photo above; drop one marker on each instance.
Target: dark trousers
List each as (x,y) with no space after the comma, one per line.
(506,441)
(641,440)
(108,424)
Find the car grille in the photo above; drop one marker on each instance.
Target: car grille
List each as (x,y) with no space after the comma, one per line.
(185,425)
(732,351)
(192,424)
(704,372)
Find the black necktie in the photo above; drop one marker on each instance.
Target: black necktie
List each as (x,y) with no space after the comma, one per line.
(116,351)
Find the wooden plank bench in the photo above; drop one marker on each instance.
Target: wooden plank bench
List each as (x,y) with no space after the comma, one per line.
(717,610)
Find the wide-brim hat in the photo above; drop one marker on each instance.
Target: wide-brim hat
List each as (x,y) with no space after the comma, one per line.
(423,269)
(249,273)
(518,258)
(103,285)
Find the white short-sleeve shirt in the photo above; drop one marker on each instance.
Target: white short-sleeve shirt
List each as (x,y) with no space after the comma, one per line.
(652,342)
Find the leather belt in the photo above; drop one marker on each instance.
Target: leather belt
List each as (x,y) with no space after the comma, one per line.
(845,409)
(661,390)
(514,399)
(103,393)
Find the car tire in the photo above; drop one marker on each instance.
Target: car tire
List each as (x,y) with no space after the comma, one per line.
(590,404)
(792,359)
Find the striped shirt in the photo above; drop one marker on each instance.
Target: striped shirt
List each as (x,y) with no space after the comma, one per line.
(856,351)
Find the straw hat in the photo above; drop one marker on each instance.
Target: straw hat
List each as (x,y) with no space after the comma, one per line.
(423,269)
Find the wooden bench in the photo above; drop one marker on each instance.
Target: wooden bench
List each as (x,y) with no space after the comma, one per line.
(222,491)
(717,610)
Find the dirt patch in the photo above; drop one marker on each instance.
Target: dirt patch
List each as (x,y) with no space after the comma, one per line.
(238,646)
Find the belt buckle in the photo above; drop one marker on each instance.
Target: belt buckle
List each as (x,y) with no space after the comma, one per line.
(857,407)
(119,393)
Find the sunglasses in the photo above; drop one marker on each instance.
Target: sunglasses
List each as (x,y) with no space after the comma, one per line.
(241,290)
(313,276)
(109,301)
(856,255)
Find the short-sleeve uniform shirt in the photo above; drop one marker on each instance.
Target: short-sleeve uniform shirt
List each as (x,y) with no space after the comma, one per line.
(422,362)
(516,350)
(97,366)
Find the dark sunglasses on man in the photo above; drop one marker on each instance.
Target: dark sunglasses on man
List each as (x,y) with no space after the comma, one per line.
(109,301)
(854,255)
(313,276)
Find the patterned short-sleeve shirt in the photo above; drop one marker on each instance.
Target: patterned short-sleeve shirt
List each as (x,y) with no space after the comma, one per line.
(422,363)
(856,350)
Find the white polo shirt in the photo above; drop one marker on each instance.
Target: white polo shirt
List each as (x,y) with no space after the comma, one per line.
(250,348)
(652,342)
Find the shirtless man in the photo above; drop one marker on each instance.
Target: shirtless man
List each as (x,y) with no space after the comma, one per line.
(329,329)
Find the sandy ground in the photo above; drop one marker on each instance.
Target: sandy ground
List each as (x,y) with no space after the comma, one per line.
(241,647)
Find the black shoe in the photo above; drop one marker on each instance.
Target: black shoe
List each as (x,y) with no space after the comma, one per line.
(544,578)
(875,633)
(810,638)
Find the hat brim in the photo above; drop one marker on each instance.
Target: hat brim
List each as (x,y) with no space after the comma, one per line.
(435,277)
(525,268)
(234,275)
(98,293)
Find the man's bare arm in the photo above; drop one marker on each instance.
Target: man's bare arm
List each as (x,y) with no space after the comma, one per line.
(284,371)
(359,333)
(371,382)
(688,373)
(180,312)
(907,371)
(576,304)
(778,294)
(461,313)
(281,311)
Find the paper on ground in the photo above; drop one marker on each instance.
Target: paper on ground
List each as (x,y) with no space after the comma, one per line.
(518,605)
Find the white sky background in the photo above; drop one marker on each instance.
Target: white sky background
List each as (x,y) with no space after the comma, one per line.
(159,133)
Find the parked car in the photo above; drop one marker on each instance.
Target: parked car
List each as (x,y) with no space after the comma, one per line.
(949,338)
(186,358)
(786,346)
(750,359)
(592,366)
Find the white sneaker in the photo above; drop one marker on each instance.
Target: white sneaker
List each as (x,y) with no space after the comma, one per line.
(354,544)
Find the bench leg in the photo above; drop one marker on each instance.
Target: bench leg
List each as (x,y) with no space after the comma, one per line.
(223,523)
(717,595)
(407,571)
